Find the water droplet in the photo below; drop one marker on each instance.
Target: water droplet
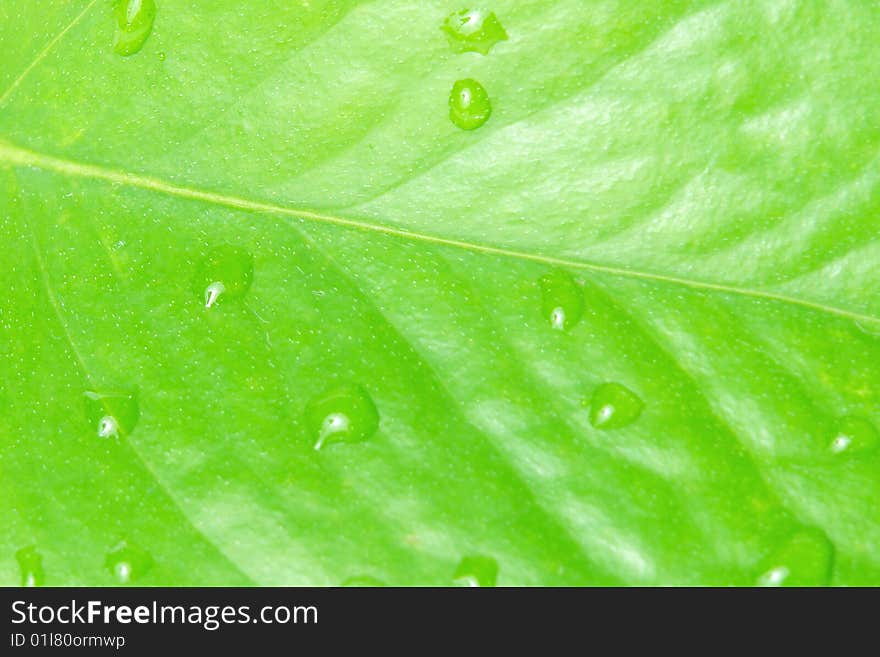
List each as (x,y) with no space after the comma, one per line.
(226,273)
(345,413)
(469,105)
(614,406)
(805,559)
(30,562)
(854,434)
(562,299)
(134,22)
(364,581)
(112,413)
(128,562)
(476,570)
(473,30)
(161,56)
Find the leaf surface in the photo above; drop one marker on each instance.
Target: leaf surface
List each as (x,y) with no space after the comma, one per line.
(705,172)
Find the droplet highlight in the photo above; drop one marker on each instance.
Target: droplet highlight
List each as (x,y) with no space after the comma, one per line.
(128,562)
(345,413)
(224,274)
(469,104)
(613,406)
(134,22)
(805,559)
(562,300)
(112,413)
(30,563)
(473,30)
(476,570)
(854,434)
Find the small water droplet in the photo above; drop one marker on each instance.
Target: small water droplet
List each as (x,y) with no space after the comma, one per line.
(363,581)
(614,406)
(476,570)
(112,413)
(473,30)
(469,105)
(345,413)
(128,562)
(30,563)
(161,56)
(225,273)
(805,559)
(134,22)
(854,434)
(562,299)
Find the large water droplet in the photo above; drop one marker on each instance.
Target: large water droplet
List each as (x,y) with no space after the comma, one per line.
(805,559)
(345,413)
(614,406)
(128,562)
(854,434)
(225,273)
(112,413)
(562,299)
(476,570)
(473,30)
(30,563)
(469,105)
(134,22)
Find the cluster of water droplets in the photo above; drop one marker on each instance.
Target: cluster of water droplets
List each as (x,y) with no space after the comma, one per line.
(126,562)
(346,413)
(471,30)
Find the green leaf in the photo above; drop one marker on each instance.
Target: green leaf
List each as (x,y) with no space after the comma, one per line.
(623,331)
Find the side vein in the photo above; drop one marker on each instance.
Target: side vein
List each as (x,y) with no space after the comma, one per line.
(59,316)
(45,51)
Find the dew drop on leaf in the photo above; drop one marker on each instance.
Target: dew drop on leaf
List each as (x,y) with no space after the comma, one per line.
(134,22)
(225,273)
(562,299)
(804,559)
(469,105)
(473,30)
(476,570)
(613,406)
(345,413)
(854,434)
(127,562)
(112,413)
(30,563)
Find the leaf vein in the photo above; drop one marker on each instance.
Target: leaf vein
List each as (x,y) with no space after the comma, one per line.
(17,156)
